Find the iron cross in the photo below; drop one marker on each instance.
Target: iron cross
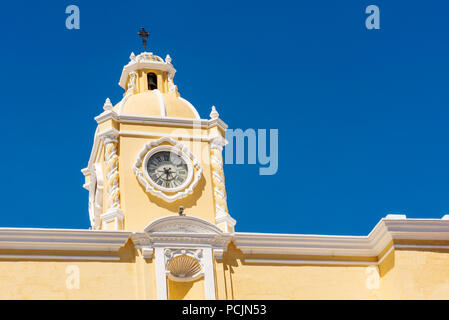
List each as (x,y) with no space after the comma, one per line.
(144,35)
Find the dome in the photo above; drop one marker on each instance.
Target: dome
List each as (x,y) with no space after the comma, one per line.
(156,104)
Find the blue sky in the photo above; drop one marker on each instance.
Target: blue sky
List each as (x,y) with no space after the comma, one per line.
(362,114)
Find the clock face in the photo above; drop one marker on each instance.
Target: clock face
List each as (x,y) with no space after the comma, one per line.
(167,170)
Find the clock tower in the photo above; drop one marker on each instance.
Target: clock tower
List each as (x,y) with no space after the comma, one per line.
(153,153)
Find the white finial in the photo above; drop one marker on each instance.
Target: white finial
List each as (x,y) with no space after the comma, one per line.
(107,105)
(168,59)
(132,57)
(214,114)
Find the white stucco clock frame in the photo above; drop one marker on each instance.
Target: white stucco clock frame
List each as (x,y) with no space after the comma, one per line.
(177,152)
(176,147)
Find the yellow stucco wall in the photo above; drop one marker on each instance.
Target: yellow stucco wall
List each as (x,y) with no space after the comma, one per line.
(410,275)
(407,274)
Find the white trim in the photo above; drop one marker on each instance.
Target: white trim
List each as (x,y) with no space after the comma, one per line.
(225,218)
(419,246)
(182,232)
(309,262)
(161,278)
(175,224)
(195,112)
(96,188)
(112,214)
(61,239)
(111,133)
(395,217)
(120,107)
(162,134)
(386,231)
(57,257)
(320,262)
(161,102)
(170,121)
(147,253)
(133,66)
(88,170)
(209,279)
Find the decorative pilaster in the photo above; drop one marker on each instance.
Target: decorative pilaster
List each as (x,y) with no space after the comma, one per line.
(113,212)
(224,221)
(132,86)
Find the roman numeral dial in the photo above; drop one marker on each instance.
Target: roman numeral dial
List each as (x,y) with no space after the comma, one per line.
(167,169)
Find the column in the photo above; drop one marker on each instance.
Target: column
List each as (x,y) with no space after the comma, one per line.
(209,279)
(161,278)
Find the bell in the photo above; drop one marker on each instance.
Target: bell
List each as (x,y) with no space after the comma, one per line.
(152,81)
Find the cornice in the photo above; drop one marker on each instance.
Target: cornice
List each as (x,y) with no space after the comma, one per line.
(170,121)
(191,232)
(386,232)
(62,239)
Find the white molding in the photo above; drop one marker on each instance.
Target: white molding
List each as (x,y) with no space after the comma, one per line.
(321,262)
(113,215)
(141,61)
(309,262)
(148,186)
(209,279)
(218,254)
(175,224)
(147,253)
(162,134)
(418,246)
(386,231)
(195,112)
(88,170)
(161,102)
(56,257)
(96,188)
(61,239)
(110,133)
(396,217)
(169,121)
(176,231)
(226,218)
(161,278)
(119,109)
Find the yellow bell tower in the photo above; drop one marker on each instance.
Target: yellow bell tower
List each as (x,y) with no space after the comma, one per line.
(153,154)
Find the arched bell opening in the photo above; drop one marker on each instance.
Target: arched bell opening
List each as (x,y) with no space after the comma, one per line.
(152,81)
